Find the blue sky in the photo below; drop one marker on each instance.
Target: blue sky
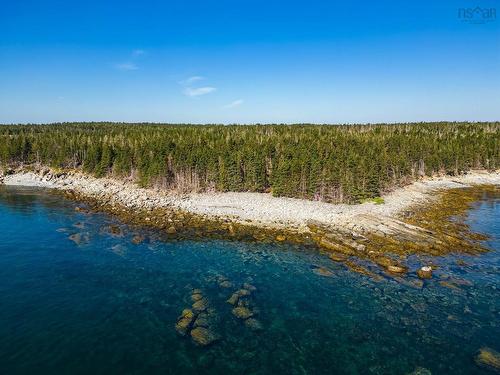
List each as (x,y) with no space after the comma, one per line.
(247,61)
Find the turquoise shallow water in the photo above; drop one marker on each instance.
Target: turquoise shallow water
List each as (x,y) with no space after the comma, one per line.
(107,306)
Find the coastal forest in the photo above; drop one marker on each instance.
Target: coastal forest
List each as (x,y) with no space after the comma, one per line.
(333,163)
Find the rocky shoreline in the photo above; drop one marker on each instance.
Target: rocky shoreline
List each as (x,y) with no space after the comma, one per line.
(384,233)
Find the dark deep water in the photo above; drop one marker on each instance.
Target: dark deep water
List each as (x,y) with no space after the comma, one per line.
(110,307)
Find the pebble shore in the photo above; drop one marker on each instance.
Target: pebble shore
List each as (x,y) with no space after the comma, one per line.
(258,209)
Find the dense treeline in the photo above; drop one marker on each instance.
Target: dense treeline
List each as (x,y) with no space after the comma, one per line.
(333,163)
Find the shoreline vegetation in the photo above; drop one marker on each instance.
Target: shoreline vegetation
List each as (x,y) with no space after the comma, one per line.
(328,163)
(358,192)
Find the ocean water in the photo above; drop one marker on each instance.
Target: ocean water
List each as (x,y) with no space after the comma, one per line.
(109,306)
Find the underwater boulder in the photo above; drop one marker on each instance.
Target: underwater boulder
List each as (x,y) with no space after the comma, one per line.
(115,230)
(137,239)
(184,322)
(196,297)
(203,336)
(243,302)
(202,320)
(322,271)
(420,371)
(243,292)
(249,287)
(488,358)
(337,257)
(233,299)
(80,238)
(242,312)
(425,272)
(79,225)
(225,284)
(200,305)
(253,324)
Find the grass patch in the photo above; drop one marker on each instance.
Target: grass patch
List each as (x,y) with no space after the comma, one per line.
(376,200)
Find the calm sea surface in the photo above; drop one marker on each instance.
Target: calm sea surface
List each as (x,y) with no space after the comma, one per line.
(105,305)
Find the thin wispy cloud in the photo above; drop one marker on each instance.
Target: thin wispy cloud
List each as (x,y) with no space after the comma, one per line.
(128,66)
(131,65)
(234,104)
(138,52)
(191,80)
(191,91)
(198,91)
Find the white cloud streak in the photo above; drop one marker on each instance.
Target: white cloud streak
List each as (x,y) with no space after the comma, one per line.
(191,80)
(127,66)
(234,104)
(198,91)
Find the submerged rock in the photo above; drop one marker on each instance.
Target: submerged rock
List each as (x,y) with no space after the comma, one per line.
(243,302)
(449,285)
(184,322)
(79,225)
(119,249)
(336,257)
(80,238)
(137,239)
(202,320)
(243,292)
(249,287)
(233,299)
(196,297)
(225,284)
(488,358)
(242,312)
(253,324)
(383,261)
(203,336)
(115,230)
(171,230)
(425,272)
(420,371)
(201,305)
(322,271)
